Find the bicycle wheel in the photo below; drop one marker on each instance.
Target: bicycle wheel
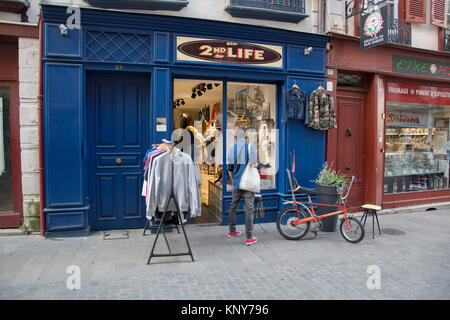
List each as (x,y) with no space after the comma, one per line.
(353,231)
(285,227)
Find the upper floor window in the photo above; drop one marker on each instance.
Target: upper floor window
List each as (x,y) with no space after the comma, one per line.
(416,11)
(278,10)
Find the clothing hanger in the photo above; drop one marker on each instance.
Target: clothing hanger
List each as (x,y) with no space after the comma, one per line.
(295,86)
(321,88)
(168,143)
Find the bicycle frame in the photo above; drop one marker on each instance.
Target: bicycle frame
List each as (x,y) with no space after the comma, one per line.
(310,209)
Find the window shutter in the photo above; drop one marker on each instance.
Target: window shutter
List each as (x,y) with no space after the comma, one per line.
(416,11)
(439,13)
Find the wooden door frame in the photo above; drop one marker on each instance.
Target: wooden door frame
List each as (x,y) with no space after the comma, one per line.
(333,134)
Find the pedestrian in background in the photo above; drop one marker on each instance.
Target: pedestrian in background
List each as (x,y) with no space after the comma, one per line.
(238,156)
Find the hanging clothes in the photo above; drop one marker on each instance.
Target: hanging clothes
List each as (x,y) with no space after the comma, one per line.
(214,112)
(210,138)
(295,105)
(264,144)
(163,168)
(152,155)
(321,110)
(183,121)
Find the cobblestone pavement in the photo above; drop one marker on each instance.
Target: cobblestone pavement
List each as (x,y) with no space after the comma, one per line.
(411,266)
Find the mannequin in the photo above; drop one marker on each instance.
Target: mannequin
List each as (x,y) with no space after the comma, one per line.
(197,143)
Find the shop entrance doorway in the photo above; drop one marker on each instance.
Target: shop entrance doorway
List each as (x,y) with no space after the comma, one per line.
(351,156)
(197,108)
(118,137)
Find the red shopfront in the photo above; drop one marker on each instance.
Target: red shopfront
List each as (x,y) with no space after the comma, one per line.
(417,143)
(393,122)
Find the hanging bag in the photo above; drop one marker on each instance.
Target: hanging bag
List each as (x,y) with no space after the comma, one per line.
(250,180)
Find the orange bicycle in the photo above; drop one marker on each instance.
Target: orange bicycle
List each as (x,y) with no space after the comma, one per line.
(294,222)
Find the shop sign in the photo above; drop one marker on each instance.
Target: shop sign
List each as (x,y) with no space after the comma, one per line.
(400,92)
(224,51)
(420,66)
(374,29)
(406,119)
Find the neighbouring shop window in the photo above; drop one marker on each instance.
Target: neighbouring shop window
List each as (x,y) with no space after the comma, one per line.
(251,114)
(417,146)
(350,80)
(6,197)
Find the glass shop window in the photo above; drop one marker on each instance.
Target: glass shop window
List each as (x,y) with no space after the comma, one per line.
(417,147)
(251,115)
(6,196)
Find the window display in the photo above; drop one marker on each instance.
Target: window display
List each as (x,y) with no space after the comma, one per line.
(251,114)
(417,147)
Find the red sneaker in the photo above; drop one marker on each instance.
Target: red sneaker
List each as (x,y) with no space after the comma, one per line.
(249,242)
(233,234)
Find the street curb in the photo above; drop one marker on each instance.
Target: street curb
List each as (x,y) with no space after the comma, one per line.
(417,208)
(408,209)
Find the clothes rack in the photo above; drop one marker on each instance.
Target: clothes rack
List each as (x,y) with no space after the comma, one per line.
(147,226)
(180,219)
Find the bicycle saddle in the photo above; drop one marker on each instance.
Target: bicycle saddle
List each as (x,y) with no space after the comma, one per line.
(299,189)
(311,192)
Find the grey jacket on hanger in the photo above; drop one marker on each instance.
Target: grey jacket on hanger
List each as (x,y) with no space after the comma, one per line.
(185,187)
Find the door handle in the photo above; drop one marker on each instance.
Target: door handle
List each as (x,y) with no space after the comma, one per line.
(118,161)
(349,132)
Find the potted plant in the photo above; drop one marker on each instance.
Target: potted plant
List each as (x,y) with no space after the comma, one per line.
(327,189)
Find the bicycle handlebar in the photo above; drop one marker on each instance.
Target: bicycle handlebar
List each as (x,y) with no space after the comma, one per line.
(349,187)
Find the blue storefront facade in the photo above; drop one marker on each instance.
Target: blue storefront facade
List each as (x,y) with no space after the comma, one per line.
(130,60)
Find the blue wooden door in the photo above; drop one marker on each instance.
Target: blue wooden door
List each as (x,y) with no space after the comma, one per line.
(118,136)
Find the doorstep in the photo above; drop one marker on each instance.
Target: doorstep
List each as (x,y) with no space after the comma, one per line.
(11,232)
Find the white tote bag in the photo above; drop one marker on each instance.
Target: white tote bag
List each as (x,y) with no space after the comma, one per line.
(250,180)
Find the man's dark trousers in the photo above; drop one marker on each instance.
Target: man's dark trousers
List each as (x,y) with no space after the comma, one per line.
(249,199)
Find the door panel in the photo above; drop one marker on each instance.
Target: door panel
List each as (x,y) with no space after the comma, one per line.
(131,132)
(105,197)
(132,185)
(118,110)
(350,157)
(105,115)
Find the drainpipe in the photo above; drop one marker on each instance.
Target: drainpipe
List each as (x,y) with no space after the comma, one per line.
(324,16)
(41,131)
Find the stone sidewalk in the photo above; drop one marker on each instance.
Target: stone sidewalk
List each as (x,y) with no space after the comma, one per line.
(412,264)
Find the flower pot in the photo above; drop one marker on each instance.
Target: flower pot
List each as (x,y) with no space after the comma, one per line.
(327,194)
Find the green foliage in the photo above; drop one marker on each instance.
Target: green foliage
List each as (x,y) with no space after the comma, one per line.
(329,176)
(25,229)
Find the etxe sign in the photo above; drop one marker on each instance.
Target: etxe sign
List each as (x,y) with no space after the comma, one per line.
(420,66)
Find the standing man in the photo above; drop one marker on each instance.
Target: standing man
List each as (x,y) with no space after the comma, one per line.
(237,158)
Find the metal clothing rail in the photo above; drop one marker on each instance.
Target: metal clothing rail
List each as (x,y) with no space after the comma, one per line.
(172,196)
